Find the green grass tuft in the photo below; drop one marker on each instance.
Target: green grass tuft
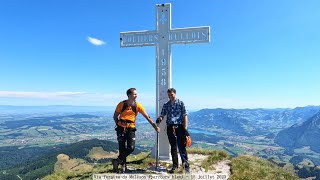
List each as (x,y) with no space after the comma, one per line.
(251,168)
(214,157)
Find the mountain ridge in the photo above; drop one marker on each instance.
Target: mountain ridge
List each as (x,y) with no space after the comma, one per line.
(44,165)
(300,135)
(262,120)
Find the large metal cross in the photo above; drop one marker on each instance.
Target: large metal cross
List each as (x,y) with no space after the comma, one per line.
(162,38)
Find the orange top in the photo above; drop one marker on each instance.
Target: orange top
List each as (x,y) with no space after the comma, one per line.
(128,113)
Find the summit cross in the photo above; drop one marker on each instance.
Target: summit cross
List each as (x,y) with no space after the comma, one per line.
(162,38)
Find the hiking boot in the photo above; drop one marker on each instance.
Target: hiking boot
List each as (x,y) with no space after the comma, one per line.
(186,168)
(172,170)
(123,168)
(115,164)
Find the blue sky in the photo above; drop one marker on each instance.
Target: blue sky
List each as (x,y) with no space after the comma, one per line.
(262,53)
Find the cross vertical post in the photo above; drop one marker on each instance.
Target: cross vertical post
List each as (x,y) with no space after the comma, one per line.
(164,81)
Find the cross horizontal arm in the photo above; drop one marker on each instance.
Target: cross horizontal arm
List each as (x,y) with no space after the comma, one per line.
(138,38)
(190,35)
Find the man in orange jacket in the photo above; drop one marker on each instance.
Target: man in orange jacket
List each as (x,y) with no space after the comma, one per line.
(125,119)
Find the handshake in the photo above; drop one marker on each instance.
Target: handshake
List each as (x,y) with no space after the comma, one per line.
(159,119)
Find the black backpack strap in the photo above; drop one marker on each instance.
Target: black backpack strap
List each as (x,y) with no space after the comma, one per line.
(125,105)
(133,107)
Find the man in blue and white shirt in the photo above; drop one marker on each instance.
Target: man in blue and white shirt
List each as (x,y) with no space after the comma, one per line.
(177,125)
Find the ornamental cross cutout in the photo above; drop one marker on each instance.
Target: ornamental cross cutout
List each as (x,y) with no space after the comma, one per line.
(162,38)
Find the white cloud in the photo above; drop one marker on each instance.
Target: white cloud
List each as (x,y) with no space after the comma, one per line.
(68,98)
(94,41)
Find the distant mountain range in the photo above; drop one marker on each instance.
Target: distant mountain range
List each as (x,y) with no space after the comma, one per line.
(289,128)
(300,135)
(251,121)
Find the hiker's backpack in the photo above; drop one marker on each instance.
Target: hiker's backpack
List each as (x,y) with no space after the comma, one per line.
(133,107)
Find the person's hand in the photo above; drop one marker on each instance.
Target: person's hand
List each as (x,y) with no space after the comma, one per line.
(158,121)
(156,127)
